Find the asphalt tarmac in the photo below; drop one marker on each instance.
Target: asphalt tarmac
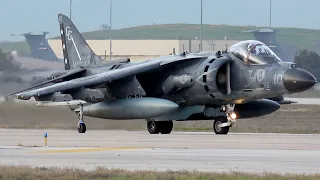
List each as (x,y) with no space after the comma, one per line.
(306,101)
(138,150)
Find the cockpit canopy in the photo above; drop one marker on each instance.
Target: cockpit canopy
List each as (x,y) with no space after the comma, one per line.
(253,52)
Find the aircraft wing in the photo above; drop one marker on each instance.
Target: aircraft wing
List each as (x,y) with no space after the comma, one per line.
(102,78)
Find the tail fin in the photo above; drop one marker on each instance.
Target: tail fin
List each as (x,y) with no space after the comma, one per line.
(76,51)
(40,47)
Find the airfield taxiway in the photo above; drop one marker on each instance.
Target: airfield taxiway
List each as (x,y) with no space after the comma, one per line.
(132,150)
(309,101)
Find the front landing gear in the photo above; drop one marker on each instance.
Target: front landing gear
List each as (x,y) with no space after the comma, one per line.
(156,127)
(81,125)
(217,128)
(222,124)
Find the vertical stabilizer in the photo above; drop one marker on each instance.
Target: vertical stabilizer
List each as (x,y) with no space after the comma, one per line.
(40,47)
(76,51)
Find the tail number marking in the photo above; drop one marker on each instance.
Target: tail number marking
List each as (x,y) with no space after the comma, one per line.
(69,33)
(70,38)
(278,79)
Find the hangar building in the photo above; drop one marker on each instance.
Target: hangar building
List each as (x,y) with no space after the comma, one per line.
(138,50)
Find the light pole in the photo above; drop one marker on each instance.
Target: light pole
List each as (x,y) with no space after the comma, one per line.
(70,8)
(110,29)
(201,28)
(270,15)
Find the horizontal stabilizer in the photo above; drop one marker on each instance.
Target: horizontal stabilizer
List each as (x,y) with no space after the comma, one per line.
(64,103)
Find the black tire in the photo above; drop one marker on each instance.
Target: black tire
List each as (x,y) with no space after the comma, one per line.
(220,130)
(82,128)
(154,127)
(166,127)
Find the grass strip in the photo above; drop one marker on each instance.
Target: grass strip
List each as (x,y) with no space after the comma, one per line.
(32,173)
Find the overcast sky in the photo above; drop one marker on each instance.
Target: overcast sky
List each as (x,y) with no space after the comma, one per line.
(22,16)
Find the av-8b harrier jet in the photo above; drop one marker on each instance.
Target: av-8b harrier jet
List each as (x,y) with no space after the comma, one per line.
(220,86)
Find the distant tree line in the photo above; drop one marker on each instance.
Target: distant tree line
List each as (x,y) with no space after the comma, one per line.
(309,61)
(7,63)
(8,69)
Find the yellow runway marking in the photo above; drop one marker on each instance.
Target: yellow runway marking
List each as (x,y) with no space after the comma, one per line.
(87,150)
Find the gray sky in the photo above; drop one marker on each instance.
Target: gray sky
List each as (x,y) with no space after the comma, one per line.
(22,16)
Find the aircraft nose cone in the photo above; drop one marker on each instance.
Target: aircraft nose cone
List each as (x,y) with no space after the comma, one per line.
(298,80)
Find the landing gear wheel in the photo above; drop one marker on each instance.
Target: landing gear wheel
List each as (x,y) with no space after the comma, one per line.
(81,125)
(156,127)
(166,127)
(220,130)
(82,128)
(153,127)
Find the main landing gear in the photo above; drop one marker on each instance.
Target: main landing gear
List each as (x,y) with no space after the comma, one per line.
(81,125)
(156,127)
(223,120)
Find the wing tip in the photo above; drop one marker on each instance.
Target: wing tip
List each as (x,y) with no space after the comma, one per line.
(21,96)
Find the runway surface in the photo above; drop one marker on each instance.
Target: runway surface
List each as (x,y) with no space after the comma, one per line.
(306,101)
(279,153)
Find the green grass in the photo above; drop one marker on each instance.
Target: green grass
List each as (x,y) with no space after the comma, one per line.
(28,173)
(15,46)
(307,94)
(293,118)
(303,38)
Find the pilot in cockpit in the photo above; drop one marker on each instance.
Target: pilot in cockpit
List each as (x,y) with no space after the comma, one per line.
(253,52)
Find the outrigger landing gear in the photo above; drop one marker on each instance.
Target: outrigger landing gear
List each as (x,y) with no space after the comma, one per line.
(222,124)
(156,127)
(81,125)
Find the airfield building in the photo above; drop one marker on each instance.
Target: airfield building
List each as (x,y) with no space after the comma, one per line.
(138,50)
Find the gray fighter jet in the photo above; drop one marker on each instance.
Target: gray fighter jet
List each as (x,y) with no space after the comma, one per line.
(219,86)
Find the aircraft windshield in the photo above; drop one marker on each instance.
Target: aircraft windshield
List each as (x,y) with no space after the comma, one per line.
(254,52)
